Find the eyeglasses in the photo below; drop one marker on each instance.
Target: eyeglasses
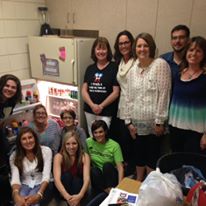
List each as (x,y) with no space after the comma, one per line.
(40,113)
(124,43)
(67,117)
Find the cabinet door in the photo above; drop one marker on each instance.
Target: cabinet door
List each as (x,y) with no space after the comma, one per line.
(85,14)
(112,18)
(141,16)
(60,13)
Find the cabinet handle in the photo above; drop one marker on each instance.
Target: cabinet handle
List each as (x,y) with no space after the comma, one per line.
(68,19)
(74,18)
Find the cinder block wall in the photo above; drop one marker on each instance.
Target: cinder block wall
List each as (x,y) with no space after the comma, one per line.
(18,19)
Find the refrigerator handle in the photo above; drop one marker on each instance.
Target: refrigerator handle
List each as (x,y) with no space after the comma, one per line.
(72,62)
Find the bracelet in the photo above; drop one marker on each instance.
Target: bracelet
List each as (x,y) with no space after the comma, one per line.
(15,191)
(40,194)
(128,124)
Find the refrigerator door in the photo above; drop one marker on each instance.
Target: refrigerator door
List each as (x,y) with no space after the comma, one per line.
(52,59)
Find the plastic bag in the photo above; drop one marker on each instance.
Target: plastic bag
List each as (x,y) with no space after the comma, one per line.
(160,189)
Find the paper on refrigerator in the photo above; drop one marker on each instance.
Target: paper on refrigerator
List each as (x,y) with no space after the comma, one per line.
(120,196)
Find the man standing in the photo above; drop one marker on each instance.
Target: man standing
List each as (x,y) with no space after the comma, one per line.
(180,36)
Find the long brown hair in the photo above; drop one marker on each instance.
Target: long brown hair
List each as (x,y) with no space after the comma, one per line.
(200,42)
(21,153)
(65,154)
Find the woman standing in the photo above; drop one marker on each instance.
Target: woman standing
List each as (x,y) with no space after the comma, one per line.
(69,117)
(124,58)
(10,95)
(30,169)
(148,94)
(100,88)
(47,129)
(187,116)
(71,170)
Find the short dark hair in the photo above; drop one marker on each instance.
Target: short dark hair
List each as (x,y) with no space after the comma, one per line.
(150,41)
(117,54)
(181,27)
(69,111)
(18,96)
(103,42)
(200,42)
(100,123)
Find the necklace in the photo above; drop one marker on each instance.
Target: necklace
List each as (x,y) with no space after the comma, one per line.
(191,75)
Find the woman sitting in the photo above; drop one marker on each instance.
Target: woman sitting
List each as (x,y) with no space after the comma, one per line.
(30,169)
(68,117)
(106,158)
(47,129)
(71,170)
(10,95)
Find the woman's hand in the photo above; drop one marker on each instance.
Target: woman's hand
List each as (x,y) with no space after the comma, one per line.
(96,109)
(74,200)
(133,130)
(19,200)
(159,129)
(32,199)
(203,142)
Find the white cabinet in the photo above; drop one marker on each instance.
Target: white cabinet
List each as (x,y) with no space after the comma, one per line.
(112,18)
(60,13)
(141,16)
(85,14)
(73,14)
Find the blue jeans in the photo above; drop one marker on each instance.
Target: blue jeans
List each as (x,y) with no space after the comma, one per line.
(25,191)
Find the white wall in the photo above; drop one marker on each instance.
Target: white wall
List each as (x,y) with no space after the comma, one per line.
(18,20)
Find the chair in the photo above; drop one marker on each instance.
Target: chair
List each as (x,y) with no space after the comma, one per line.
(172,161)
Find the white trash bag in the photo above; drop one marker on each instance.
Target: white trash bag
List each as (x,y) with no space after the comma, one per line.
(160,189)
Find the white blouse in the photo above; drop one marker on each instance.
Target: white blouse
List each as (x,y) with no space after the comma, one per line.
(30,176)
(148,95)
(122,80)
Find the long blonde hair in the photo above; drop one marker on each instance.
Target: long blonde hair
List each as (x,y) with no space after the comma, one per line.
(65,154)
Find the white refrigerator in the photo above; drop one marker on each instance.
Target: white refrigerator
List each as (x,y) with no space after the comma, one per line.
(59,65)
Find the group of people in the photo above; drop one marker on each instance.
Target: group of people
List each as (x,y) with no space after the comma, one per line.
(44,151)
(154,94)
(130,104)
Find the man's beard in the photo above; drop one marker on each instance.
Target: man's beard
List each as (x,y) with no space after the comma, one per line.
(179,50)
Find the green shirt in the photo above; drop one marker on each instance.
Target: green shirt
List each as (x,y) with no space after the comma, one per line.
(103,153)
